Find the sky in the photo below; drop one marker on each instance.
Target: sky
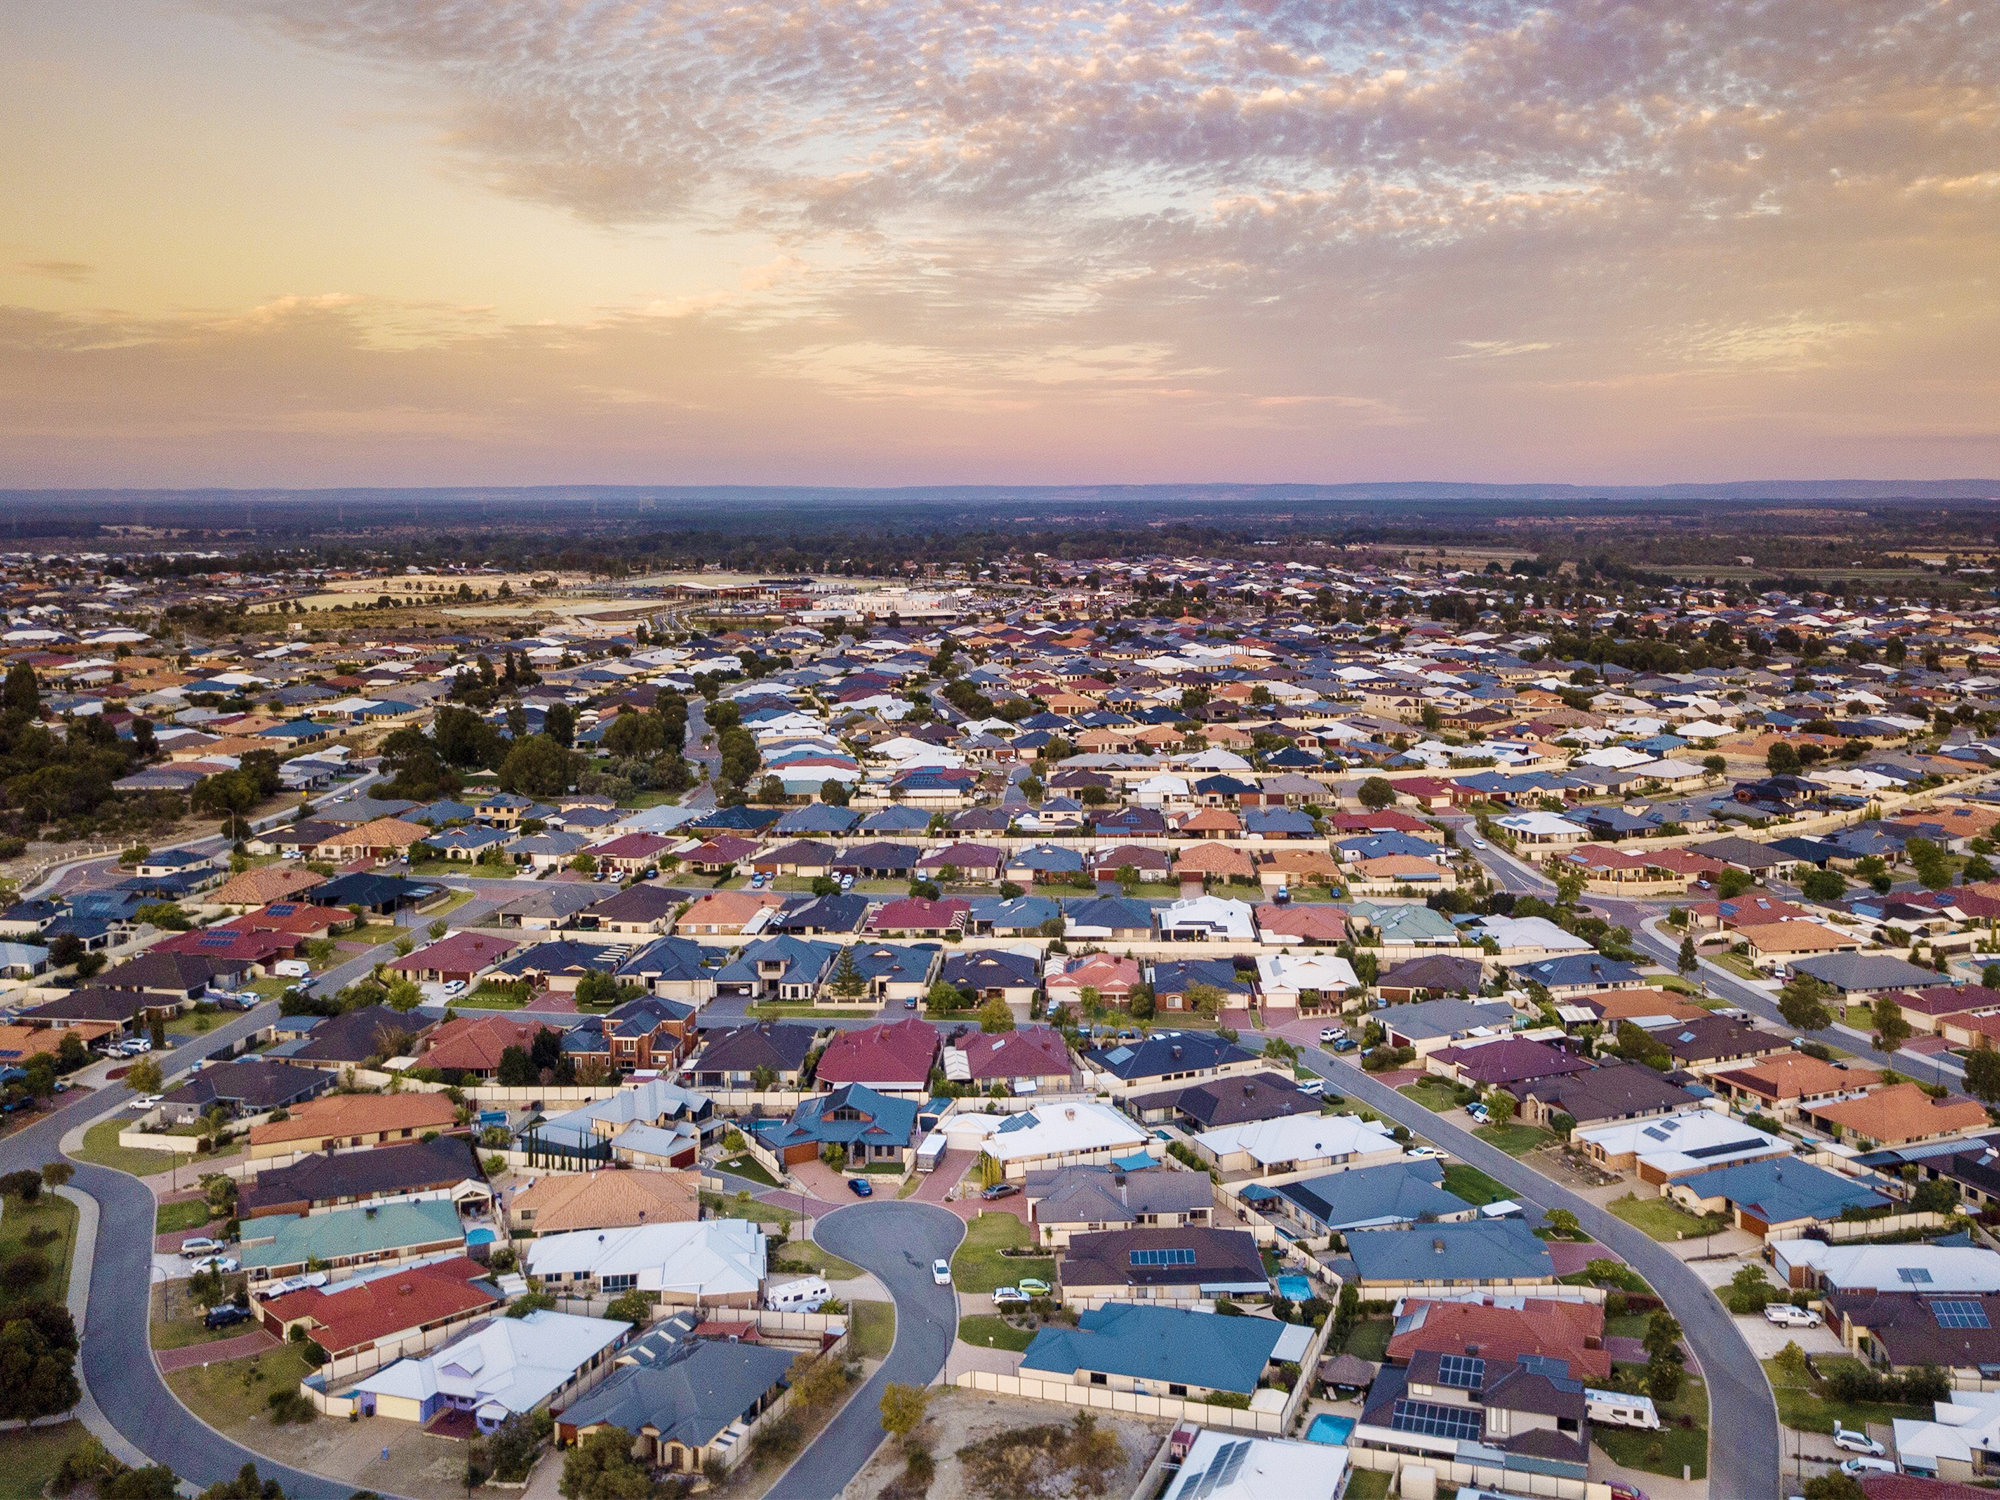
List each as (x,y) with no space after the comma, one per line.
(412,242)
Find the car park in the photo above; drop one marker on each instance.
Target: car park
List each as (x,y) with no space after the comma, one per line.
(861,1187)
(941,1273)
(1009,1296)
(1784,1315)
(1856,1442)
(226,1316)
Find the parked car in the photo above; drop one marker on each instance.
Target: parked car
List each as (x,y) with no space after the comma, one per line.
(226,1316)
(1312,1085)
(1034,1287)
(1854,1468)
(861,1187)
(1009,1296)
(223,1263)
(145,1102)
(757,882)
(847,882)
(941,1273)
(1329,1035)
(1425,1151)
(1856,1442)
(1345,1044)
(1478,1112)
(133,1046)
(201,1244)
(1000,1190)
(1784,1315)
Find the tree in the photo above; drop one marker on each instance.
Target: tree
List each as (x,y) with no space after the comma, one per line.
(634,1307)
(945,997)
(516,1070)
(1782,760)
(57,1174)
(848,982)
(144,1077)
(1203,999)
(602,1467)
(1562,1221)
(903,1408)
(537,766)
(1802,1002)
(1664,1359)
(1500,1106)
(1982,1074)
(24,1184)
(995,1016)
(1823,885)
(1732,883)
(1376,793)
(1140,1002)
(1686,961)
(1890,1027)
(37,1362)
(404,995)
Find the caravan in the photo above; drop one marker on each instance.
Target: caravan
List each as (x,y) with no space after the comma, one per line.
(804,1295)
(1616,1409)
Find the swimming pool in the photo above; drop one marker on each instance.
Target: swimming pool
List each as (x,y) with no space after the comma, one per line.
(1295,1288)
(1327,1428)
(479,1237)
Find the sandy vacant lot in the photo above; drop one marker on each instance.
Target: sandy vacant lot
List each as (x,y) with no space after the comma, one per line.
(958,1418)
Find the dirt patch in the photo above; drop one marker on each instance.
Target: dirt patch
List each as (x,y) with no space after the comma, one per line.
(1041,1460)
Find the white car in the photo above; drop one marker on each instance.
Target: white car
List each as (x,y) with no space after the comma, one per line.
(1425,1151)
(1328,1035)
(941,1272)
(224,1263)
(145,1102)
(454,986)
(1784,1315)
(1857,1442)
(1854,1468)
(135,1045)
(1479,843)
(1009,1296)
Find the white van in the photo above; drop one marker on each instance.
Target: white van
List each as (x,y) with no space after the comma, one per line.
(804,1295)
(1617,1409)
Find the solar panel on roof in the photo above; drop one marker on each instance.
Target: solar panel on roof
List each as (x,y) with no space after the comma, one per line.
(1464,1372)
(1460,1424)
(1160,1257)
(1655,1132)
(1957,1314)
(1914,1275)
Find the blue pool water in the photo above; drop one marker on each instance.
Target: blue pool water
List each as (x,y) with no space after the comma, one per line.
(1295,1288)
(1327,1428)
(479,1237)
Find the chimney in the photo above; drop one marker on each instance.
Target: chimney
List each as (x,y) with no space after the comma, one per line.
(1437,1247)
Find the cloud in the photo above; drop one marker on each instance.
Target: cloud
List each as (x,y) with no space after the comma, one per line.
(56,270)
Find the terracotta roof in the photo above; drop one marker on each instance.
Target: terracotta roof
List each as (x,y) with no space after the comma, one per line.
(471,951)
(359,1114)
(367,1311)
(1798,1077)
(610,1199)
(1903,1112)
(476,1043)
(263,885)
(1500,1335)
(900,1052)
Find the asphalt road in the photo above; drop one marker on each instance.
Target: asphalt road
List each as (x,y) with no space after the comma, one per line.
(117,1355)
(897,1243)
(1743,1453)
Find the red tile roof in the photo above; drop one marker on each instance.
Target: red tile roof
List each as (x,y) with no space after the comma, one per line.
(369,1311)
(900,1052)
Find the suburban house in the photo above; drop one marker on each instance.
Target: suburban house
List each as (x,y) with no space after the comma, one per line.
(444,1169)
(865,1125)
(378,1317)
(605,1199)
(1164,1351)
(251,1086)
(1165,1057)
(1292,1144)
(894,1057)
(1774,1193)
(1391,1196)
(497,1369)
(281,1245)
(1062,1135)
(1486,1253)
(1066,1201)
(733,1059)
(1192,1263)
(339,1122)
(717,1262)
(1025,1060)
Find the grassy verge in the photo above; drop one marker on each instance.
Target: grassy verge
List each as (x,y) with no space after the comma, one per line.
(1665,1451)
(743,1206)
(30,1457)
(809,1258)
(987,1331)
(228,1395)
(1803,1406)
(1735,963)
(1434,1094)
(48,1214)
(1659,1218)
(747,1166)
(980,1267)
(871,1329)
(100,1145)
(1473,1185)
(1515,1140)
(173,1218)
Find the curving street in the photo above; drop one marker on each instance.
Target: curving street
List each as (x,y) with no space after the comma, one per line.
(896,1242)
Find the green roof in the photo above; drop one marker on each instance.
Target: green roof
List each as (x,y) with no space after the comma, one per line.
(291,1239)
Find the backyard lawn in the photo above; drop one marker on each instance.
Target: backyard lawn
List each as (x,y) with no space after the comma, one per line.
(872,1329)
(1664,1452)
(48,1214)
(1369,1339)
(1473,1185)
(980,1267)
(1803,1407)
(1434,1094)
(1658,1217)
(988,1331)
(1515,1140)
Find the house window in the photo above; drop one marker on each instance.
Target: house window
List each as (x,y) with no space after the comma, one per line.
(1176,1390)
(615,1284)
(1097,1377)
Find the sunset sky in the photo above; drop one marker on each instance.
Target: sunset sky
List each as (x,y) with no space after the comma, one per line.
(318,242)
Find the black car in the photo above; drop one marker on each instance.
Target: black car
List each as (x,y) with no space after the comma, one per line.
(226,1316)
(1000,1190)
